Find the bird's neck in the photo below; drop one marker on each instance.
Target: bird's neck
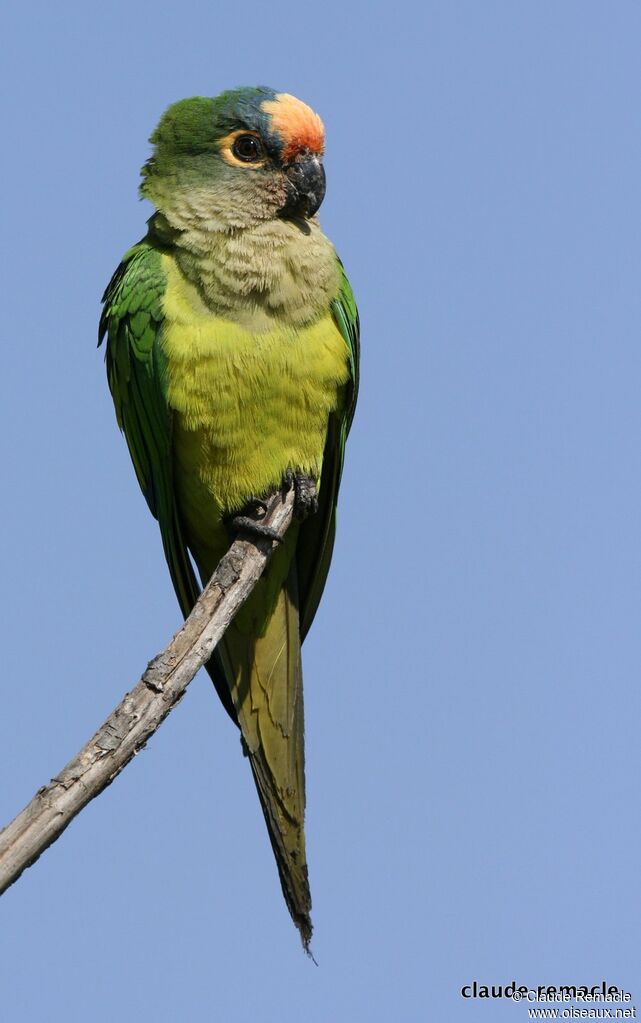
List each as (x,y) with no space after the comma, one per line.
(276,272)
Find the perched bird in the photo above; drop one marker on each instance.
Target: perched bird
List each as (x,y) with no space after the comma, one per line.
(232,359)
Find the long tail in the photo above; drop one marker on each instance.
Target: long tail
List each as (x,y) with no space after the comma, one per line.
(262,663)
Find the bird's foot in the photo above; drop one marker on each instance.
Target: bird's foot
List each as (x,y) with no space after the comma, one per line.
(248,521)
(305,493)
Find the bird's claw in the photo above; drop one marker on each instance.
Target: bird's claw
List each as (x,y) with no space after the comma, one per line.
(305,493)
(249,522)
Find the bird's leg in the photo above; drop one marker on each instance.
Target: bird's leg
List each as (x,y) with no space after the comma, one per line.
(248,521)
(305,493)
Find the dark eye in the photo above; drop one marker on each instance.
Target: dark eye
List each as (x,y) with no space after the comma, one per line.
(248,148)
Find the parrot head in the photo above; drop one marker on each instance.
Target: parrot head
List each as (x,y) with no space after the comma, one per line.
(236,160)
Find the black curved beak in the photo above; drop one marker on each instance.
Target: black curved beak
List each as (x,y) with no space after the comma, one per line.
(305,183)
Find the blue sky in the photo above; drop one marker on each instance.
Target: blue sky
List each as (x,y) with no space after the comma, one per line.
(472,678)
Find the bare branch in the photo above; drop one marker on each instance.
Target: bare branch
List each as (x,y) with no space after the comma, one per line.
(143,710)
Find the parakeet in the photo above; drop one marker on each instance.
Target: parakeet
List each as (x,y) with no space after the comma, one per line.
(232,358)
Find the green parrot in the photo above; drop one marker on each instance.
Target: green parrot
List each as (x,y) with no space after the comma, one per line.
(232,358)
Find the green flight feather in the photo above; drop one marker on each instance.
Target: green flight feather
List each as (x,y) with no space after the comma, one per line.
(132,320)
(316,540)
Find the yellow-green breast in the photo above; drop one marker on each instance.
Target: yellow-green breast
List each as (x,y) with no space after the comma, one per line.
(247,405)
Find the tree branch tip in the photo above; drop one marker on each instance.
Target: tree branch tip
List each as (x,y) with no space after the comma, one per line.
(141,711)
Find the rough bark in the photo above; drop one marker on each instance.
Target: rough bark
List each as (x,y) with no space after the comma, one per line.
(143,710)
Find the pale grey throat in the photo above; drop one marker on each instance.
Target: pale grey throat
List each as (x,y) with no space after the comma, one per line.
(262,275)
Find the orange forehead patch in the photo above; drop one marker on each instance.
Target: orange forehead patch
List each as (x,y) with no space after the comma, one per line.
(296,123)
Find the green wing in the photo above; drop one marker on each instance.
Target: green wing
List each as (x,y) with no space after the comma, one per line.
(316,539)
(132,320)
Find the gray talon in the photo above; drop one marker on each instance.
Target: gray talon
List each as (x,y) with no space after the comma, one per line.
(305,493)
(243,524)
